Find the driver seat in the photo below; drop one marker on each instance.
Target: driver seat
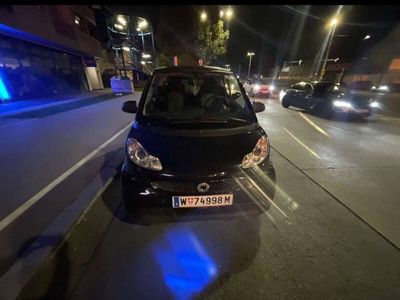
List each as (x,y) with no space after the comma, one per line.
(209,89)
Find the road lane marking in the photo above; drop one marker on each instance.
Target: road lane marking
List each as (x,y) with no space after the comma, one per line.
(27,204)
(301,143)
(319,129)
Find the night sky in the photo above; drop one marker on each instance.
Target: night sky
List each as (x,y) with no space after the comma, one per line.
(277,32)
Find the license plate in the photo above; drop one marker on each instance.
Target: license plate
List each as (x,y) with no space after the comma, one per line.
(202,201)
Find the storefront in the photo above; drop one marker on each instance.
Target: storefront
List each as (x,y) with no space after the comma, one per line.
(29,70)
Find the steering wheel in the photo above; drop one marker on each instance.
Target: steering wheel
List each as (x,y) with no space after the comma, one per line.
(208,104)
(211,99)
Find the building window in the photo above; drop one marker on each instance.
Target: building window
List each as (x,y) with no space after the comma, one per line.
(8,8)
(93,30)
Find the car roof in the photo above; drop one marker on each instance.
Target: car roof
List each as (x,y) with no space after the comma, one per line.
(191,69)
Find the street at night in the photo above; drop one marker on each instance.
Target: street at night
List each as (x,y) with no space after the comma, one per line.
(223,173)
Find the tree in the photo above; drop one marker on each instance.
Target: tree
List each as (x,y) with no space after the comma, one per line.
(211,41)
(163,60)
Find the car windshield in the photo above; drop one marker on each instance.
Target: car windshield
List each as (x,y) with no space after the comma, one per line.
(328,88)
(263,81)
(196,98)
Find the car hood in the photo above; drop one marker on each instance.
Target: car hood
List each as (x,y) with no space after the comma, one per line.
(187,153)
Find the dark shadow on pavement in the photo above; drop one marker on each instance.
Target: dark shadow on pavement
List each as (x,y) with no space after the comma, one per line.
(54,273)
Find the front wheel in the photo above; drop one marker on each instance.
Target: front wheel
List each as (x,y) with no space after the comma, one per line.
(285,102)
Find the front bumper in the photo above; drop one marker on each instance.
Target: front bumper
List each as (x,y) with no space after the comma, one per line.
(364,112)
(247,186)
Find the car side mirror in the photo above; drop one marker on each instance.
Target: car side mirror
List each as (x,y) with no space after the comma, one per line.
(236,95)
(129,107)
(258,107)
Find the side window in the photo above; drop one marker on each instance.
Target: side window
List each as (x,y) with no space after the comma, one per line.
(297,86)
(308,88)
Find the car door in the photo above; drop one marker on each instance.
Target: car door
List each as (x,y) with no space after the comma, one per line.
(246,86)
(292,94)
(304,96)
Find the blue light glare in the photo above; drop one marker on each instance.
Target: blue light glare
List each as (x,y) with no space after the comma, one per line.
(4,94)
(186,267)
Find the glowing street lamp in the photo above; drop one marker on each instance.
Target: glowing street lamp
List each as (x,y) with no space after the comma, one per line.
(119,26)
(203,16)
(121,20)
(367,37)
(333,23)
(229,14)
(142,24)
(250,55)
(221,13)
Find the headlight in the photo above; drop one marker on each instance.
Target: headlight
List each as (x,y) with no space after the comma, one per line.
(282,94)
(258,155)
(271,87)
(374,104)
(141,157)
(256,87)
(340,103)
(383,88)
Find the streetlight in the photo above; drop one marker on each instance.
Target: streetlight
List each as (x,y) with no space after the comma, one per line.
(203,16)
(333,24)
(229,14)
(119,26)
(146,55)
(121,20)
(221,13)
(249,54)
(367,37)
(142,24)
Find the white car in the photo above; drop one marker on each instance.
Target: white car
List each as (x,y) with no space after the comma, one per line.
(259,88)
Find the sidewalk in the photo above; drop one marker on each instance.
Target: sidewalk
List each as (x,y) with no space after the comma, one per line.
(20,106)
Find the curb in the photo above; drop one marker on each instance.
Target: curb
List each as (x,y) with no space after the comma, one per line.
(34,108)
(43,247)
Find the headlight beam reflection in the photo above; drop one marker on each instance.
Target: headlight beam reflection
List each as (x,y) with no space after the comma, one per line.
(319,129)
(293,205)
(265,195)
(301,143)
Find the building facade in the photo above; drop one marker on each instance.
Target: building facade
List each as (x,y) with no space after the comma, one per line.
(47,51)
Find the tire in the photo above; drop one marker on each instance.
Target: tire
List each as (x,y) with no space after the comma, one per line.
(285,102)
(129,204)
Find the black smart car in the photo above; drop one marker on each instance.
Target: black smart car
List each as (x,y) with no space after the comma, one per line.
(196,142)
(327,98)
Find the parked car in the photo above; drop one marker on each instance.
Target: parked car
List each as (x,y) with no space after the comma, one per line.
(194,141)
(328,98)
(386,88)
(259,87)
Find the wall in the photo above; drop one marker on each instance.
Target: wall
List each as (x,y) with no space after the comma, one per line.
(54,23)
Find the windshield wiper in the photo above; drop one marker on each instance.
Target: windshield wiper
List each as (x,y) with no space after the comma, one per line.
(208,120)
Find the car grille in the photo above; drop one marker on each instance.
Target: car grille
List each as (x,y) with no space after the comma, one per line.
(360,103)
(187,187)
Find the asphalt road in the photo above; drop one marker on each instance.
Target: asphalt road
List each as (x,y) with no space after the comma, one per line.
(37,149)
(331,231)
